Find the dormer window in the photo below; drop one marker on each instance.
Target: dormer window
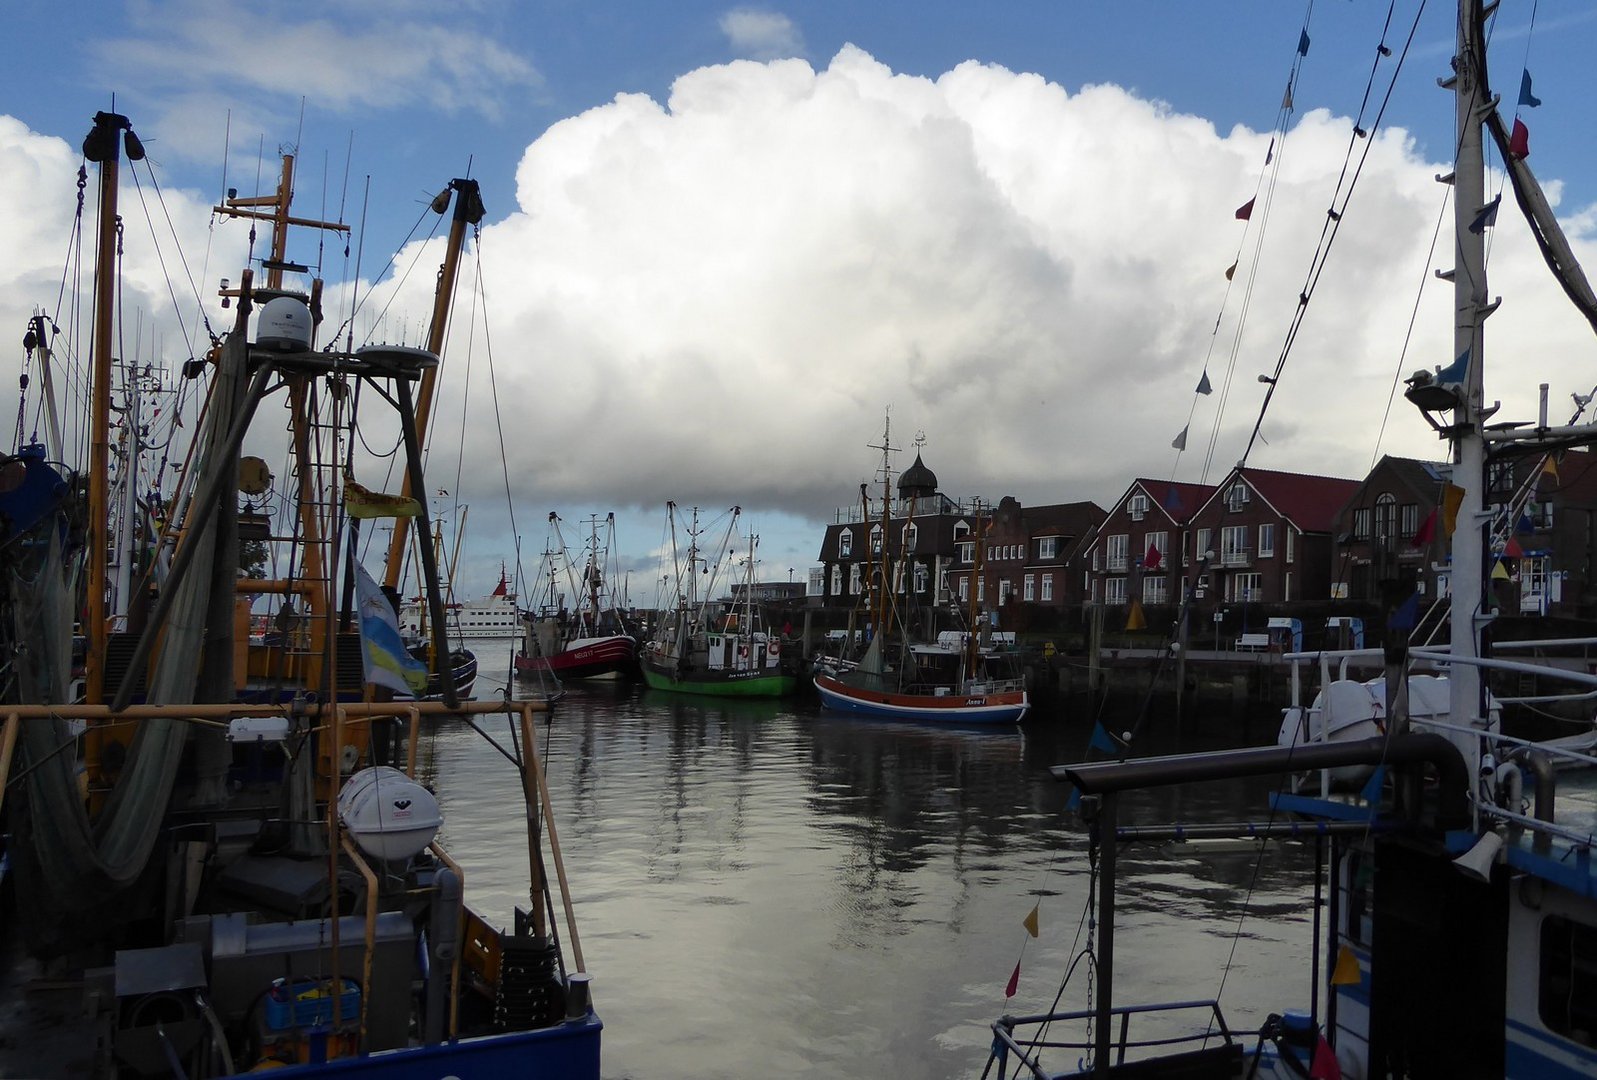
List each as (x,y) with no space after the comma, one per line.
(876,539)
(1236,499)
(1137,506)
(845,543)
(911,534)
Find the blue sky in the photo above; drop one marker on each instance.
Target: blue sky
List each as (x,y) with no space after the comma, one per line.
(793,217)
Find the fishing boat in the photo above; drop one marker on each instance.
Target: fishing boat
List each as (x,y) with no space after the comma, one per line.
(241,870)
(962,677)
(591,641)
(1459,922)
(714,647)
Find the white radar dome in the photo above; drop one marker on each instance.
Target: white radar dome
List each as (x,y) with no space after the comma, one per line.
(284,324)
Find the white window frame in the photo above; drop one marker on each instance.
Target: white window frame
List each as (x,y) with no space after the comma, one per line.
(854,582)
(1118,556)
(1047,588)
(1114,591)
(845,543)
(1137,506)
(837,580)
(1028,590)
(964,589)
(1160,540)
(1234,545)
(1236,497)
(1205,536)
(1048,547)
(1155,588)
(1266,539)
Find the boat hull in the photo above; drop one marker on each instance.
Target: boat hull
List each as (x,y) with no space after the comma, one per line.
(1003,707)
(586,658)
(567,1050)
(711,683)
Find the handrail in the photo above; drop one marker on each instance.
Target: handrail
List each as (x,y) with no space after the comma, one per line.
(1003,1032)
(454,968)
(554,842)
(371,939)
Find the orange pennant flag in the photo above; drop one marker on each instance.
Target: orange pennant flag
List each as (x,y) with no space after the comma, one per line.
(1134,619)
(1347,968)
(1452,499)
(1030,921)
(1550,467)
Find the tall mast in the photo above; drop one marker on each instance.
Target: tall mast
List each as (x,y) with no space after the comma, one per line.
(1470,310)
(103,145)
(468,211)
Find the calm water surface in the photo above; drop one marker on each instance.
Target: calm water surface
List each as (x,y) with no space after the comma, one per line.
(762,888)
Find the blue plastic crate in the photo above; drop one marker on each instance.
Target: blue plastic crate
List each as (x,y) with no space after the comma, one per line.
(309,1003)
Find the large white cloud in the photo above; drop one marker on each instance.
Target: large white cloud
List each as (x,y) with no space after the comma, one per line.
(714,299)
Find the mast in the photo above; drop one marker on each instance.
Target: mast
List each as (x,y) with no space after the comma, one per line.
(468,211)
(103,146)
(1470,311)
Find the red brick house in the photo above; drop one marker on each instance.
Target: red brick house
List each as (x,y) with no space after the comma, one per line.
(1030,558)
(1138,547)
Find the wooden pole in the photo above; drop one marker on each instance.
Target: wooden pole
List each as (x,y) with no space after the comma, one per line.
(529,794)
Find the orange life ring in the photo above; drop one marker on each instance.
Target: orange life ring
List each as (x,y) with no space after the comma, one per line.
(773,648)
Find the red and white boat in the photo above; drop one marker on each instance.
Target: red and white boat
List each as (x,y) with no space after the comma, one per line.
(591,642)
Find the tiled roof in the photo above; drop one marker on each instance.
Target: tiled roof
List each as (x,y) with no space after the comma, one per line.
(1178,501)
(1309,502)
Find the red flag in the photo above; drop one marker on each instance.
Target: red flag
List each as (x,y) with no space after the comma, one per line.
(1519,140)
(1152,560)
(1245,211)
(1512,549)
(1427,530)
(1324,1066)
(1014,982)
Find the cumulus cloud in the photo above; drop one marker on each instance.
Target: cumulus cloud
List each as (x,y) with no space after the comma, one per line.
(761,35)
(715,298)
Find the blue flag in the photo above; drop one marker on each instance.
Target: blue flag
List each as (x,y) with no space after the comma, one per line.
(1456,371)
(1203,384)
(1527,99)
(383,654)
(1303,43)
(1372,790)
(1487,217)
(1102,741)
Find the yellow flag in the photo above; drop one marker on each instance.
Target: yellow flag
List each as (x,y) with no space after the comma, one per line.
(1452,499)
(1030,921)
(1550,467)
(1134,619)
(361,502)
(1347,968)
(1499,571)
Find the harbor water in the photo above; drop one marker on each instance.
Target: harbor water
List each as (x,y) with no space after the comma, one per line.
(765,889)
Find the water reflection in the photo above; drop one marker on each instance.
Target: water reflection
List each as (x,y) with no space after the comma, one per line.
(763,887)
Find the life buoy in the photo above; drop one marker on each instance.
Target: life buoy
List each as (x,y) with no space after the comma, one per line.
(773,648)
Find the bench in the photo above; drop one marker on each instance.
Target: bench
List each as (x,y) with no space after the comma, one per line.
(1252,642)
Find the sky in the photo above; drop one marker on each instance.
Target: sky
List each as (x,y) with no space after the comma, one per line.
(723,242)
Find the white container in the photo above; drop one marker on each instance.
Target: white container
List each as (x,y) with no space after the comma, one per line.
(390,816)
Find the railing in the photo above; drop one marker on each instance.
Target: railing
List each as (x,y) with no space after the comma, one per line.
(1118,563)
(1028,1052)
(1236,557)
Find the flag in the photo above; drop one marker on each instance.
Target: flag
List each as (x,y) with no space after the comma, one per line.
(1134,619)
(1550,467)
(1101,740)
(1172,500)
(1372,795)
(1487,217)
(1153,560)
(362,502)
(1324,1066)
(1427,530)
(1014,982)
(1527,99)
(1452,499)
(1245,211)
(1525,524)
(1303,43)
(1180,441)
(1406,615)
(1512,549)
(1231,270)
(1519,140)
(1499,570)
(1203,383)
(384,659)
(1269,153)
(1455,372)
(1286,99)
(1030,921)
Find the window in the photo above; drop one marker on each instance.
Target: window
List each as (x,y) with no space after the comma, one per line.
(1266,540)
(898,576)
(1533,585)
(854,579)
(1566,992)
(1385,519)
(876,539)
(1291,536)
(817,581)
(845,543)
(1154,589)
(1095,559)
(1005,587)
(1114,590)
(1234,545)
(964,590)
(1236,499)
(1028,590)
(967,552)
(1048,547)
(921,574)
(1047,587)
(1408,519)
(1160,542)
(1090,586)
(837,579)
(981,590)
(1244,587)
(1137,506)
(1204,536)
(1361,523)
(1119,546)
(992,552)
